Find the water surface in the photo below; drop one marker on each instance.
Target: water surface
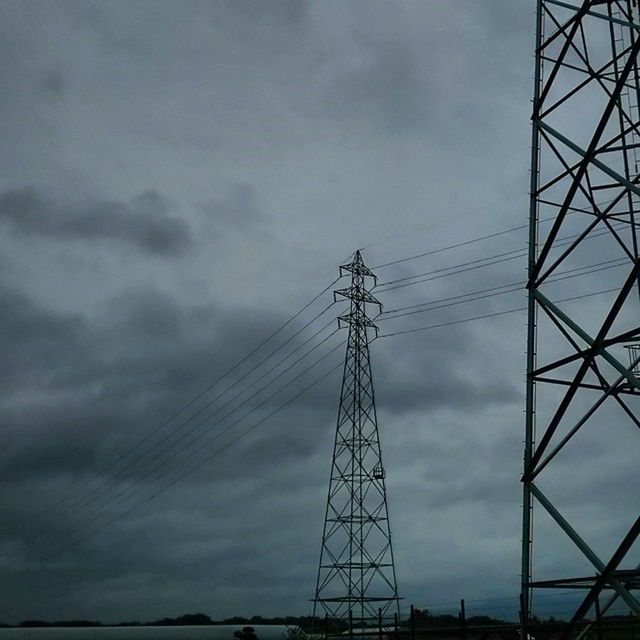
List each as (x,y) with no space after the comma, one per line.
(222,632)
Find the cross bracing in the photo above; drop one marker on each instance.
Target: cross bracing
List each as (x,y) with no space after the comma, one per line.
(356,576)
(582,386)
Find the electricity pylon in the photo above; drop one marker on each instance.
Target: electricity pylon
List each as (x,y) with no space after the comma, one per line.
(356,580)
(582,391)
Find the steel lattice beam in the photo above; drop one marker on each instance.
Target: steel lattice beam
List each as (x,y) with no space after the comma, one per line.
(356,575)
(585,185)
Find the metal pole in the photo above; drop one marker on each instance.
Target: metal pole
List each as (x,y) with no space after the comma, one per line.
(395,623)
(598,618)
(380,623)
(413,623)
(326,625)
(463,621)
(350,624)
(527,503)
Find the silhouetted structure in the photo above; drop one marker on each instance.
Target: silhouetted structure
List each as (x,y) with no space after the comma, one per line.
(584,185)
(356,577)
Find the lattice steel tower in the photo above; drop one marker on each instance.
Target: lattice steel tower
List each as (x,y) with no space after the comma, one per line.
(356,576)
(582,386)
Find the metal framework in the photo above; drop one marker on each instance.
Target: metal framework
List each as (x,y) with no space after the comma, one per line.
(356,580)
(581,383)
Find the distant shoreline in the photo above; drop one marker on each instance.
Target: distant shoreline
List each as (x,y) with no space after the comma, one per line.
(189,620)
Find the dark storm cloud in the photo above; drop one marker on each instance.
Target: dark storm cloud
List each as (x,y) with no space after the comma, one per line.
(434,377)
(144,222)
(146,350)
(278,136)
(33,339)
(121,382)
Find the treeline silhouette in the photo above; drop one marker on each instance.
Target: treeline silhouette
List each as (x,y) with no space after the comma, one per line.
(423,619)
(188,619)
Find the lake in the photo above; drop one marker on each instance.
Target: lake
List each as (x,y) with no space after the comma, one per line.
(221,632)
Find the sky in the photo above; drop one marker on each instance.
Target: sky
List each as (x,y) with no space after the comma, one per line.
(178,180)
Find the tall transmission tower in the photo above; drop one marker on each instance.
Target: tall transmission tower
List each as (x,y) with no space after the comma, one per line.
(356,577)
(582,384)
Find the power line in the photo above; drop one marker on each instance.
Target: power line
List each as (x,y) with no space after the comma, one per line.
(195,467)
(194,439)
(519,284)
(78,498)
(450,216)
(495,291)
(453,270)
(472,265)
(93,515)
(96,496)
(244,359)
(484,237)
(451,246)
(385,335)
(251,353)
(490,315)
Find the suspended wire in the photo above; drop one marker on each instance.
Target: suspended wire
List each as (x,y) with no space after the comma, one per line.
(451,246)
(449,216)
(463,243)
(197,437)
(106,485)
(76,497)
(518,285)
(111,480)
(284,325)
(219,379)
(196,466)
(454,303)
(484,237)
(276,332)
(80,498)
(491,315)
(494,291)
(453,270)
(472,265)
(95,513)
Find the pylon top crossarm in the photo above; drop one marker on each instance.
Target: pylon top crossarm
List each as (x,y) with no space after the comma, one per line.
(359,294)
(358,267)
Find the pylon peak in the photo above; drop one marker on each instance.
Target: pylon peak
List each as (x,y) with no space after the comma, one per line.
(357,266)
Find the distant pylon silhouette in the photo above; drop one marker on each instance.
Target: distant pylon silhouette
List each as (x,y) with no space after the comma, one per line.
(356,576)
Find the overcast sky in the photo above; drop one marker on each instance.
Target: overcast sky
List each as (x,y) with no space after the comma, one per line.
(179,178)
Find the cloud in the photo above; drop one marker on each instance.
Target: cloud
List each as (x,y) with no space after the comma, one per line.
(384,83)
(281,136)
(238,210)
(32,336)
(144,221)
(52,84)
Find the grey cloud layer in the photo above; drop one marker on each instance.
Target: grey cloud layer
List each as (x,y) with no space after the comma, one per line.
(143,222)
(177,180)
